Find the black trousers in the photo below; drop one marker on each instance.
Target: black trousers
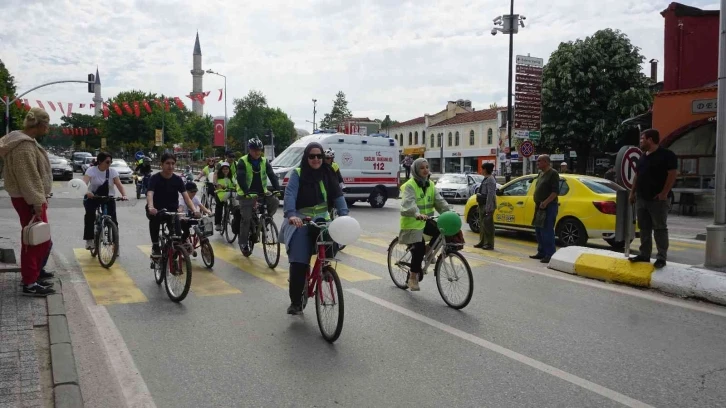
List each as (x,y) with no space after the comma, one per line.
(297,282)
(418,250)
(155,222)
(218,211)
(90,218)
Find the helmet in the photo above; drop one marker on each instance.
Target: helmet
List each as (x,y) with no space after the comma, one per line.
(191,187)
(223,164)
(255,144)
(330,153)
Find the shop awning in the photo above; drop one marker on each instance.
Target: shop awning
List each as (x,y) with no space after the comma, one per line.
(414,151)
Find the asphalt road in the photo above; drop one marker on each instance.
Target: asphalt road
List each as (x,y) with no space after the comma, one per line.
(529,337)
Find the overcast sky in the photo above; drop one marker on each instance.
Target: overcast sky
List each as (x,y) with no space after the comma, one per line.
(389,57)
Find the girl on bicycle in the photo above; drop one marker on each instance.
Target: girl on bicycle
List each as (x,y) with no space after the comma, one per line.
(192,191)
(225,181)
(101,180)
(311,189)
(418,200)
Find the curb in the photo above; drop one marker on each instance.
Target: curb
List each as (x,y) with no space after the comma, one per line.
(677,279)
(66,387)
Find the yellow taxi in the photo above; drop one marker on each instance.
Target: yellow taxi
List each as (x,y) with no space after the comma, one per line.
(586,208)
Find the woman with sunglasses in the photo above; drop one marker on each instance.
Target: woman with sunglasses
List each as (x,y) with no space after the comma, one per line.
(312,188)
(101,180)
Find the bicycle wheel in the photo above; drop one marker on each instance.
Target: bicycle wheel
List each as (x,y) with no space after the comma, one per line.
(399,263)
(207,253)
(457,277)
(211,202)
(270,242)
(229,235)
(160,261)
(178,276)
(108,243)
(329,304)
(96,233)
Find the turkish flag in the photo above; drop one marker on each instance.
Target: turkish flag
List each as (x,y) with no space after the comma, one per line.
(218,132)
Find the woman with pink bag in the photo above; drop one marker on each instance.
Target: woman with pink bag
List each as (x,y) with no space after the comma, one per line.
(28,181)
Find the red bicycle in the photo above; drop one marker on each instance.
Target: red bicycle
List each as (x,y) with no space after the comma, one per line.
(323,283)
(199,239)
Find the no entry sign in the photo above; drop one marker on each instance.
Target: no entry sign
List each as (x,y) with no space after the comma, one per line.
(625,165)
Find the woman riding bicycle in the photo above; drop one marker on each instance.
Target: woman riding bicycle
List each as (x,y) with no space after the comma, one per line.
(101,180)
(418,200)
(225,181)
(312,187)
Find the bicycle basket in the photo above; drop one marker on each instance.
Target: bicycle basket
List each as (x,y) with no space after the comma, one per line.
(206,226)
(456,241)
(273,203)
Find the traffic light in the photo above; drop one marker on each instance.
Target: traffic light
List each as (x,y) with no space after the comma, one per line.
(91,83)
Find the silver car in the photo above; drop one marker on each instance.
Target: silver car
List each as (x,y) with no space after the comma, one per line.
(124,171)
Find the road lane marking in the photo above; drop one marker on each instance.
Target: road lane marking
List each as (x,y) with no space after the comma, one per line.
(470,250)
(521,358)
(108,286)
(253,265)
(204,282)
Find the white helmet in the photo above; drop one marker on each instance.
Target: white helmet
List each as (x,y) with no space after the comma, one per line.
(330,153)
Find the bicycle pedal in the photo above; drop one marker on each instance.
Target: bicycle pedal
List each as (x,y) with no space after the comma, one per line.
(194,254)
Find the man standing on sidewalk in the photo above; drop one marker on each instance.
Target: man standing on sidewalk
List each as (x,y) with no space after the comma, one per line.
(655,175)
(546,206)
(487,201)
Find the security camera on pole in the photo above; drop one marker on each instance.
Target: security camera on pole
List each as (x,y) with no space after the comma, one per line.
(509,25)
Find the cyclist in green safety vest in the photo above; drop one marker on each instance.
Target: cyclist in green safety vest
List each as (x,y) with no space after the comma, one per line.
(310,190)
(253,170)
(207,173)
(419,199)
(225,181)
(231,159)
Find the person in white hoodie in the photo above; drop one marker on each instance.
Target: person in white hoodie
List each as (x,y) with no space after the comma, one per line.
(28,180)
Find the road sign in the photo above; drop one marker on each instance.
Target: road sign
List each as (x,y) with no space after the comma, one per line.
(528,116)
(521,134)
(523,97)
(528,107)
(527,125)
(528,79)
(528,88)
(526,148)
(625,165)
(526,60)
(158,138)
(523,69)
(535,135)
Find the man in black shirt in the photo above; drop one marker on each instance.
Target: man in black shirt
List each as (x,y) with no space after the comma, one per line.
(655,175)
(163,194)
(546,207)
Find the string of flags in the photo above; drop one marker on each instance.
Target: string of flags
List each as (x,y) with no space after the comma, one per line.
(131,108)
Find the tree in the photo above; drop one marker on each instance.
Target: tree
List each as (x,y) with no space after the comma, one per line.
(589,87)
(338,114)
(7,88)
(493,105)
(254,118)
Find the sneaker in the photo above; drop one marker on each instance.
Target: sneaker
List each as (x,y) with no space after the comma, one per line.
(155,251)
(479,246)
(45,275)
(294,310)
(639,258)
(89,244)
(218,227)
(37,290)
(536,256)
(413,282)
(659,263)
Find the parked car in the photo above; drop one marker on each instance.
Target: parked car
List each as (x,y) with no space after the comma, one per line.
(458,186)
(62,169)
(586,209)
(78,159)
(87,163)
(124,171)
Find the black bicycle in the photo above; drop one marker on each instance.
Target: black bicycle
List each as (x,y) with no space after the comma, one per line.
(263,229)
(105,233)
(174,265)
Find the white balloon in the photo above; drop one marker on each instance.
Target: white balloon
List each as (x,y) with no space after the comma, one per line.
(78,187)
(344,230)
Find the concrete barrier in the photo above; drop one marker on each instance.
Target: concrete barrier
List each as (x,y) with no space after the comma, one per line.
(674,278)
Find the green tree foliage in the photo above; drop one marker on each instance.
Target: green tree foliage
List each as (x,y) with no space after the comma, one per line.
(338,114)
(7,88)
(254,118)
(82,121)
(589,88)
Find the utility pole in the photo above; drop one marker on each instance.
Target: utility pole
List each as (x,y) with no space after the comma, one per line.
(314,112)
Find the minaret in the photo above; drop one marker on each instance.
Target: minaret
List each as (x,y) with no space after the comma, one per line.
(197,74)
(97,99)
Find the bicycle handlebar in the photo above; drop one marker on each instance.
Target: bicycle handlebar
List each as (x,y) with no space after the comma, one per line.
(107,198)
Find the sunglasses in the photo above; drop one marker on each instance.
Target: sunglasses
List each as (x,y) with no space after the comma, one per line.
(316,156)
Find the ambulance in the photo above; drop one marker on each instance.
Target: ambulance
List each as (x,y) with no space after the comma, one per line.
(369,164)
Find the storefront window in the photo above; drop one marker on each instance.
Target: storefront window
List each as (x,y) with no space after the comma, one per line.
(471,165)
(453,165)
(434,165)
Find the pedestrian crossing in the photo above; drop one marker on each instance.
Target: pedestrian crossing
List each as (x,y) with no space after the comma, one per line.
(117,286)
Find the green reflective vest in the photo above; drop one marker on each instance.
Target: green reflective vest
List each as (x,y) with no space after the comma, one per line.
(319,210)
(205,171)
(227,182)
(335,166)
(424,201)
(249,172)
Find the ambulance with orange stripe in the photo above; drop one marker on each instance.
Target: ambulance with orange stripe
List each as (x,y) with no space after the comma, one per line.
(369,164)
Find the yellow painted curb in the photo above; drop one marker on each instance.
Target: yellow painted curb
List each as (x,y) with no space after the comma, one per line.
(613,269)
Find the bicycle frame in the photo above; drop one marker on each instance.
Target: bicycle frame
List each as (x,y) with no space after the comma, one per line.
(315,276)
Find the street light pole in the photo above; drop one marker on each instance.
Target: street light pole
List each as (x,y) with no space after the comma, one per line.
(7,100)
(314,112)
(510,125)
(209,71)
(716,233)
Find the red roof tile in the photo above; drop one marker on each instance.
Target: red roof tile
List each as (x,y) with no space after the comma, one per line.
(417,121)
(477,116)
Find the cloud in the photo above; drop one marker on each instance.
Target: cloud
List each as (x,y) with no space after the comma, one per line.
(389,57)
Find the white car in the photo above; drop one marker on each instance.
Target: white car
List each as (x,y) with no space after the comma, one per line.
(459,187)
(125,173)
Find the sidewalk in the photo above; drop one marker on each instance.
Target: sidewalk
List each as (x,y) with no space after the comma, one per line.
(685,227)
(37,366)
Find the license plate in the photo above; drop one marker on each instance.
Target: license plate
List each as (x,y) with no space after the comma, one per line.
(57,171)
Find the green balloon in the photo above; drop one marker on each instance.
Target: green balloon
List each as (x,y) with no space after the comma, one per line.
(449,223)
